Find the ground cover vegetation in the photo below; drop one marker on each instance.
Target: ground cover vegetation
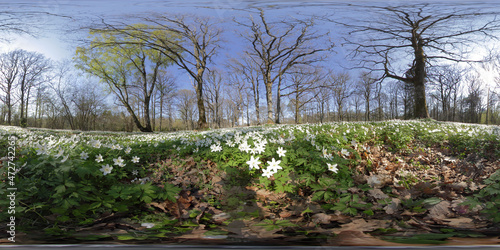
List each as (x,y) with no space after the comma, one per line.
(381,183)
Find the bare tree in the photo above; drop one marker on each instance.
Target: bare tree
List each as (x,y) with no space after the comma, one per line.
(394,92)
(235,89)
(420,34)
(322,100)
(365,88)
(186,100)
(446,82)
(214,96)
(88,104)
(33,68)
(61,84)
(303,82)
(166,90)
(278,46)
(248,69)
(9,73)
(473,99)
(341,86)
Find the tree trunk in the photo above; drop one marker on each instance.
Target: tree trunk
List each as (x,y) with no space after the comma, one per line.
(257,104)
(419,79)
(202,118)
(278,100)
(269,98)
(161,108)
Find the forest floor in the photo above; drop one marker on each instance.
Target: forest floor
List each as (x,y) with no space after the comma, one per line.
(415,198)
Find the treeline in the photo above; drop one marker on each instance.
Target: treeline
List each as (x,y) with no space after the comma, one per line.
(53,95)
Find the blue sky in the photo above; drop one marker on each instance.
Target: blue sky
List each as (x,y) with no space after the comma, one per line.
(54,42)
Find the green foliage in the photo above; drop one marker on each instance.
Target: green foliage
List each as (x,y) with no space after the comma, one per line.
(76,191)
(488,198)
(420,239)
(270,225)
(350,204)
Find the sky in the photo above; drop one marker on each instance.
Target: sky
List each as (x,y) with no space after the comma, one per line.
(55,42)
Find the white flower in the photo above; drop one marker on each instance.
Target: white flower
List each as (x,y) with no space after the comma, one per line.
(230,143)
(96,143)
(98,158)
(345,152)
(253,163)
(281,141)
(324,151)
(135,172)
(253,151)
(274,165)
(61,152)
(106,169)
(119,161)
(135,159)
(267,173)
(281,152)
(216,148)
(260,148)
(42,150)
(147,225)
(332,167)
(64,158)
(143,180)
(244,147)
(127,150)
(84,155)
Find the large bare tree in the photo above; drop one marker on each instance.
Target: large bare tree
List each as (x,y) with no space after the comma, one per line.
(277,46)
(404,41)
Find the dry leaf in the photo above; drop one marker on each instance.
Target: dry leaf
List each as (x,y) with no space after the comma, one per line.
(377,194)
(362,225)
(358,238)
(440,211)
(321,218)
(393,207)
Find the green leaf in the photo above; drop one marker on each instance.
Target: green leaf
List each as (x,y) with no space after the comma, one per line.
(431,201)
(125,237)
(60,189)
(308,210)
